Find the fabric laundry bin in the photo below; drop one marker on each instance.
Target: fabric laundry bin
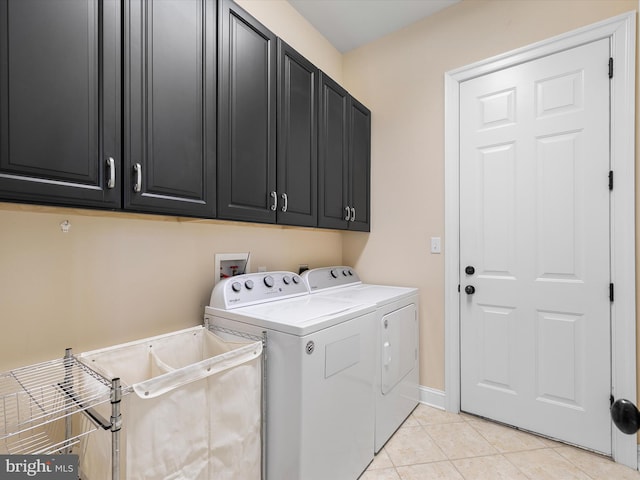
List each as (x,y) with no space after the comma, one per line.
(191,409)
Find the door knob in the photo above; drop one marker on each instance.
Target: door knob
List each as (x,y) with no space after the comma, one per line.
(470,289)
(469,270)
(625,416)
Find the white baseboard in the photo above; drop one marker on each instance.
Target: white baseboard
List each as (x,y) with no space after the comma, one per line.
(432,397)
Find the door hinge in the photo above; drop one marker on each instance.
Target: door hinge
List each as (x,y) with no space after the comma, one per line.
(610,67)
(458,288)
(611,292)
(610,179)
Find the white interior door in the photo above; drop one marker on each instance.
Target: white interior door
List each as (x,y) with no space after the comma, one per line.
(534,225)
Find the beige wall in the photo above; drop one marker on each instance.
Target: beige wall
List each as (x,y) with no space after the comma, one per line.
(116,277)
(400,78)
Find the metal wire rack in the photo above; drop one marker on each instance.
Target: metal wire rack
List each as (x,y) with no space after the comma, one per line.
(44,407)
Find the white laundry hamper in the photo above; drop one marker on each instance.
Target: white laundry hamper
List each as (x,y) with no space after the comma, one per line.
(191,409)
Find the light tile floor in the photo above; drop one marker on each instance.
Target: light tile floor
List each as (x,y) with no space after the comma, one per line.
(436,445)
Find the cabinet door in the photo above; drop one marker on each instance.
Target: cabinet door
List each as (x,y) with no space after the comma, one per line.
(297,138)
(60,101)
(359,165)
(333,152)
(170,106)
(247,117)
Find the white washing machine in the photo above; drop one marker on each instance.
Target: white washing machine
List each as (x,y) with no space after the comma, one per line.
(320,372)
(396,320)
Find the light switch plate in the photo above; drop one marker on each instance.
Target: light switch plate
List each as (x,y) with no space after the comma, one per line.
(435,245)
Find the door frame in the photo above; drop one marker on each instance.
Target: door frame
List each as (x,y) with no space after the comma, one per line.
(621,30)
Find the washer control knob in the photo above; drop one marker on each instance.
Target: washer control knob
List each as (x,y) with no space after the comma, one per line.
(236,287)
(296,279)
(334,273)
(350,272)
(286,279)
(249,284)
(268,281)
(345,273)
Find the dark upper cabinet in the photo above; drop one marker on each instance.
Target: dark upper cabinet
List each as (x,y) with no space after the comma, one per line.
(179,107)
(169,106)
(246,117)
(344,159)
(297,138)
(60,102)
(333,152)
(359,166)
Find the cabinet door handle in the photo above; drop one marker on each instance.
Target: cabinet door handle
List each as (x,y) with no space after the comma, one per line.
(137,168)
(348,217)
(286,202)
(111,165)
(274,195)
(353,214)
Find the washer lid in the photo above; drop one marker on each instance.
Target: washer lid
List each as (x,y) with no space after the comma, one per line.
(297,316)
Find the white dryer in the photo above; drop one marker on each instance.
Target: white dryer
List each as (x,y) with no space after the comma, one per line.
(396,373)
(320,373)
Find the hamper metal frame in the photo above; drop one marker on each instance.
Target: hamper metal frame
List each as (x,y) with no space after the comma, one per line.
(35,401)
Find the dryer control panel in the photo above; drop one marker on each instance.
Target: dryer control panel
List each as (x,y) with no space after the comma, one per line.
(329,277)
(252,288)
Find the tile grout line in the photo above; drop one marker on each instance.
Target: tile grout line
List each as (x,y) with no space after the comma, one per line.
(422,420)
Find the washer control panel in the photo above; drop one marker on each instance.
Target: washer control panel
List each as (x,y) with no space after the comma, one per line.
(252,288)
(329,277)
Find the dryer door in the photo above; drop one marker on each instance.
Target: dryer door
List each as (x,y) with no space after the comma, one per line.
(399,345)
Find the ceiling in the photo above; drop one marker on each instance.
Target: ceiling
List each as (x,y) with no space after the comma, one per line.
(347,24)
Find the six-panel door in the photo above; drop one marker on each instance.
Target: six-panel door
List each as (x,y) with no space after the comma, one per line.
(534,227)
